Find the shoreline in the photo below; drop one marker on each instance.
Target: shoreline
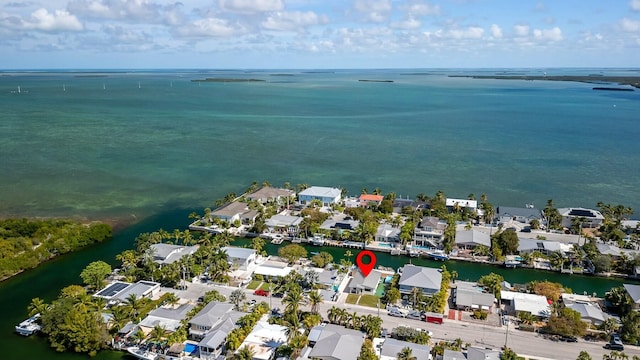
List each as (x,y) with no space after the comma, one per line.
(589,79)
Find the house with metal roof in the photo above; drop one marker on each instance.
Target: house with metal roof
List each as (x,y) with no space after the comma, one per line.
(528,245)
(326,195)
(505,214)
(284,223)
(270,194)
(589,217)
(240,258)
(387,233)
(167,318)
(264,340)
(169,253)
(333,342)
(360,284)
(453,355)
(426,279)
(469,239)
(634,293)
(210,317)
(462,203)
(517,302)
(429,232)
(392,347)
(589,313)
(119,291)
(474,353)
(212,328)
(470,296)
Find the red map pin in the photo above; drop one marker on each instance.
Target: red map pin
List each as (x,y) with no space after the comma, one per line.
(365,268)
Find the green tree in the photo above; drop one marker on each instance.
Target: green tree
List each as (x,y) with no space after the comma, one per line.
(567,323)
(237,296)
(508,242)
(257,243)
(244,353)
(620,301)
(367,352)
(449,238)
(492,283)
(406,354)
(583,356)
(321,259)
(292,302)
(392,295)
(292,252)
(95,273)
(508,354)
(315,299)
(37,306)
(630,330)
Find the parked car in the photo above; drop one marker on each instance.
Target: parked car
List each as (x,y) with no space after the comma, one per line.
(415,315)
(424,330)
(261,292)
(396,312)
(568,338)
(610,346)
(615,339)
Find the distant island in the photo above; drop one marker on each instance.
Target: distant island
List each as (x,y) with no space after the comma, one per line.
(382,81)
(599,79)
(227,80)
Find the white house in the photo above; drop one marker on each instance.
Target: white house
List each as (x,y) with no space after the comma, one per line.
(326,195)
(169,253)
(264,340)
(462,203)
(516,302)
(235,211)
(506,214)
(333,342)
(469,239)
(267,193)
(284,223)
(591,218)
(240,258)
(391,347)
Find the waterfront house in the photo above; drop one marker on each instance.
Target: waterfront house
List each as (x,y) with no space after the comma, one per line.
(391,347)
(429,232)
(168,253)
(614,251)
(469,239)
(387,233)
(272,269)
(634,293)
(268,194)
(470,296)
(211,342)
(474,353)
(235,211)
(471,205)
(370,199)
(326,195)
(546,247)
(360,284)
(167,318)
(284,224)
(588,312)
(505,214)
(119,291)
(517,302)
(264,340)
(340,224)
(590,218)
(333,342)
(426,279)
(240,258)
(399,204)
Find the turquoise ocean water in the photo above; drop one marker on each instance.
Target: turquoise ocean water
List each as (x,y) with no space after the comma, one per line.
(123,144)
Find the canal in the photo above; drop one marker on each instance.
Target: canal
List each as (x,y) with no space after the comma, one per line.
(47,280)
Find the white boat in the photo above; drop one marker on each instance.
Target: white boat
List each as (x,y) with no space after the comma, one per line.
(512,261)
(438,255)
(317,240)
(29,326)
(142,354)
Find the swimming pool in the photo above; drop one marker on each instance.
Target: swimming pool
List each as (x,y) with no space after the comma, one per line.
(385,245)
(190,348)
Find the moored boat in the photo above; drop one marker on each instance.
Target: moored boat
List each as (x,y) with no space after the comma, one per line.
(29,326)
(438,255)
(141,353)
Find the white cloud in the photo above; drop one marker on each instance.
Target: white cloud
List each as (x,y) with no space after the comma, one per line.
(252,6)
(130,10)
(407,24)
(210,27)
(296,21)
(521,30)
(634,5)
(43,20)
(496,31)
(553,34)
(472,32)
(422,9)
(630,25)
(376,11)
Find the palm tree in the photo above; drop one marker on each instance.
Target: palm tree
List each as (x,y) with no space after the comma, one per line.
(315,299)
(237,296)
(133,305)
(371,325)
(354,321)
(406,354)
(332,314)
(292,301)
(244,353)
(37,306)
(157,333)
(454,275)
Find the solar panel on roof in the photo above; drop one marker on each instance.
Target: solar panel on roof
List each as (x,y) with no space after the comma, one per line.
(112,289)
(581,212)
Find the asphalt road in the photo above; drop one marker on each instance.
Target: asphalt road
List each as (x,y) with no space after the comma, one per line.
(523,343)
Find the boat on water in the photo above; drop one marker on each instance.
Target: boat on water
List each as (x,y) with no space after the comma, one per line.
(141,353)
(512,261)
(438,255)
(396,252)
(317,240)
(29,326)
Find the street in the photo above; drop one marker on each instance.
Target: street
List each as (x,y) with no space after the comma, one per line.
(527,344)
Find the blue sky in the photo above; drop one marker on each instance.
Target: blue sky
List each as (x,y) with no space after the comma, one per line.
(44,34)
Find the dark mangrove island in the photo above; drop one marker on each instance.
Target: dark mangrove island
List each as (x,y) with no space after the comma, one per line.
(227,80)
(620,80)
